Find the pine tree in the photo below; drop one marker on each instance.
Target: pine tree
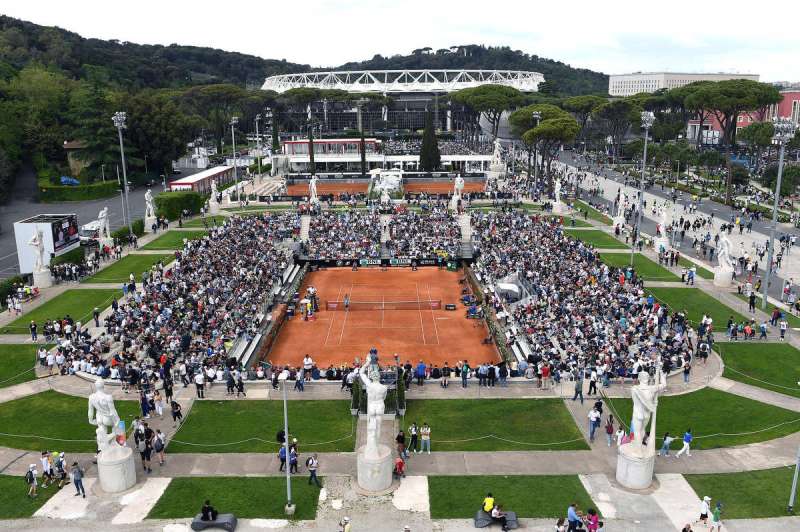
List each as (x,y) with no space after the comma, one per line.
(92,112)
(429,157)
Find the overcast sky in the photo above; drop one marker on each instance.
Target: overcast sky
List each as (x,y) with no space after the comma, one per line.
(616,36)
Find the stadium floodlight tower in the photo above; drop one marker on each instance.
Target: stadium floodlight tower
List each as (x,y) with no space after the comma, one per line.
(234,121)
(648,119)
(119,123)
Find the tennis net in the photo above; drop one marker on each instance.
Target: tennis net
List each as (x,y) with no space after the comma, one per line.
(428,304)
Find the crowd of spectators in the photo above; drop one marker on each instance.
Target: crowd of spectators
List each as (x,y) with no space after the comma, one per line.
(414,146)
(344,235)
(424,235)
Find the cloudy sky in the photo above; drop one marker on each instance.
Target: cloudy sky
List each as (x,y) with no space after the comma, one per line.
(613,37)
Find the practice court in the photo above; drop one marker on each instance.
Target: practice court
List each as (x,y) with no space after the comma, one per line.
(441,187)
(420,330)
(329,188)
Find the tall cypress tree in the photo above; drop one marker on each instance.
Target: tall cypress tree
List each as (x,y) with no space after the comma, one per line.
(429,157)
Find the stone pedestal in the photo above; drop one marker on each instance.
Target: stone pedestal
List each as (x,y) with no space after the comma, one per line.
(454,202)
(635,468)
(42,279)
(116,469)
(213,207)
(559,208)
(722,277)
(498,168)
(375,470)
(149,222)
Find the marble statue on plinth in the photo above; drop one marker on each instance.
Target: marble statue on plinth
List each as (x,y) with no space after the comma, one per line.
(558,206)
(374,458)
(105,229)
(213,201)
(312,190)
(723,274)
(115,465)
(37,243)
(149,212)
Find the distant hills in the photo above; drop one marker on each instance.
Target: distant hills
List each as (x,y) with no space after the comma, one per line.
(137,66)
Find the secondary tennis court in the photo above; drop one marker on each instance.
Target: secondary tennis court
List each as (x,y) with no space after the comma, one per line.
(396,311)
(440,187)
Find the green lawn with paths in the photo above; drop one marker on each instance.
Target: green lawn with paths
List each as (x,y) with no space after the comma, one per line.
(245,497)
(57,416)
(250,422)
(696,303)
(78,303)
(774,367)
(594,214)
(791,319)
(644,267)
(173,239)
(210,221)
(15,503)
(120,271)
(598,239)
(716,418)
(541,496)
(17,363)
(748,495)
(523,424)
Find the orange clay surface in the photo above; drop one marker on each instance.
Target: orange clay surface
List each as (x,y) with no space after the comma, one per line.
(337,336)
(328,188)
(433,187)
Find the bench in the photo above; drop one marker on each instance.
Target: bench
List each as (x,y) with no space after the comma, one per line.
(224,521)
(484,519)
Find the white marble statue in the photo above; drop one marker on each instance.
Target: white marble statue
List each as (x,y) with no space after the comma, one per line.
(458,186)
(385,198)
(214,193)
(312,190)
(376,394)
(149,208)
(102,217)
(645,403)
(663,222)
(497,155)
(557,190)
(103,415)
(37,243)
(724,254)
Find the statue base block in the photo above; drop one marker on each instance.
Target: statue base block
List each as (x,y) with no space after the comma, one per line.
(375,470)
(42,279)
(559,208)
(722,278)
(148,224)
(117,471)
(635,469)
(213,207)
(454,203)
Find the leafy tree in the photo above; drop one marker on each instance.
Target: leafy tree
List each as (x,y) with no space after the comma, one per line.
(216,104)
(757,136)
(157,128)
(581,107)
(790,178)
(522,121)
(429,157)
(551,133)
(91,109)
(276,139)
(615,118)
(489,100)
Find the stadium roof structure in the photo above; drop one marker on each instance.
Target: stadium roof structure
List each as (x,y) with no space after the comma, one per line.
(404,81)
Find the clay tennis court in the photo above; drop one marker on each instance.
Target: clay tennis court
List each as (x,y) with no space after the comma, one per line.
(339,336)
(441,187)
(328,188)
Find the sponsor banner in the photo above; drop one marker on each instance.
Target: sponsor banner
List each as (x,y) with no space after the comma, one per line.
(369,262)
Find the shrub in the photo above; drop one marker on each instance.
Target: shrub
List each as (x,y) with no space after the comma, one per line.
(54,193)
(7,288)
(171,204)
(73,256)
(122,232)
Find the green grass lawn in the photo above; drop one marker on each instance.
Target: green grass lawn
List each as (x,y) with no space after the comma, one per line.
(174,239)
(594,214)
(260,208)
(578,221)
(773,367)
(54,415)
(712,413)
(198,222)
(644,267)
(701,272)
(596,238)
(17,363)
(537,425)
(15,503)
(696,303)
(791,319)
(748,495)
(120,271)
(78,303)
(245,497)
(545,496)
(309,422)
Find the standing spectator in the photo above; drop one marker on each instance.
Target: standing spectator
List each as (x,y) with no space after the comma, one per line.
(77,479)
(158,403)
(312,463)
(578,385)
(33,328)
(610,429)
(420,371)
(176,413)
(413,431)
(282,457)
(240,387)
(159,446)
(293,459)
(687,368)
(464,374)
(594,422)
(425,434)
(199,382)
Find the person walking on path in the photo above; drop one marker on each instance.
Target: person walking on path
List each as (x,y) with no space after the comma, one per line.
(240,387)
(687,441)
(293,459)
(704,510)
(30,478)
(413,432)
(664,451)
(177,415)
(783,325)
(400,439)
(282,457)
(159,446)
(77,479)
(425,434)
(594,422)
(199,382)
(610,429)
(313,463)
(578,385)
(464,374)
(687,368)
(716,519)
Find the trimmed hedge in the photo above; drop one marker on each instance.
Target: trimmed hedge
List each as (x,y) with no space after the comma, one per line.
(122,232)
(171,204)
(74,256)
(53,193)
(7,287)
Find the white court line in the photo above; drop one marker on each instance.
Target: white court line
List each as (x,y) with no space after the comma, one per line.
(419,309)
(346,312)
(382,327)
(333,316)
(433,317)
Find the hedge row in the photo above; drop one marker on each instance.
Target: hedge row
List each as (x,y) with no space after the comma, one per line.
(172,204)
(53,193)
(7,288)
(122,232)
(74,256)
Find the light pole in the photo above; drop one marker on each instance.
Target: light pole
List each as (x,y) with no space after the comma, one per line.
(289,506)
(647,122)
(790,509)
(784,132)
(536,116)
(234,121)
(119,123)
(164,181)
(103,170)
(258,143)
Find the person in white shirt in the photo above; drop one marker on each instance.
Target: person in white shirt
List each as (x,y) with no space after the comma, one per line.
(308,365)
(704,510)
(594,422)
(199,382)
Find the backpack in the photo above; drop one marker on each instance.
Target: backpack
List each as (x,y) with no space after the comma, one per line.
(158,445)
(141,446)
(29,477)
(308,461)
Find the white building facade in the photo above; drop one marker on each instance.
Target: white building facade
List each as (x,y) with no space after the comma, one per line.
(634,83)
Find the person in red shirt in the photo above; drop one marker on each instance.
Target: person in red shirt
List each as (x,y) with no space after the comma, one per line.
(545,376)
